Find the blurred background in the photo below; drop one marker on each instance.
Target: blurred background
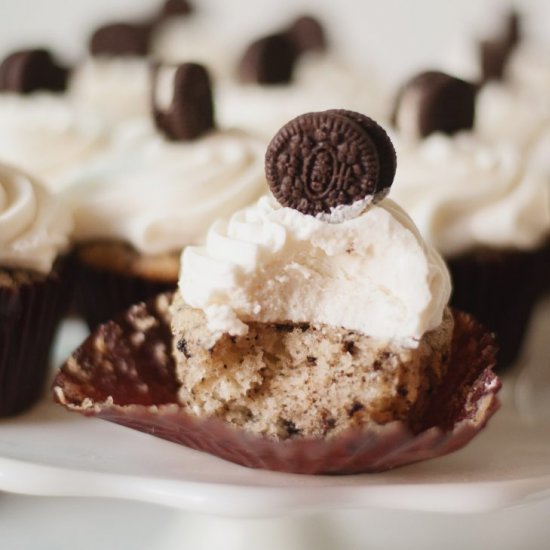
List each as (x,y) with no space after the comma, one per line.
(396,37)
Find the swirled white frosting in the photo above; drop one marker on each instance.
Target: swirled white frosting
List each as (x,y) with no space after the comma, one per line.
(529,70)
(114,89)
(43,134)
(160,195)
(372,273)
(321,82)
(34,225)
(463,192)
(196,39)
(507,114)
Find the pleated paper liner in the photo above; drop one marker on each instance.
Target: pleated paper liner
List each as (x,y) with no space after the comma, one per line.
(500,289)
(30,312)
(124,373)
(102,293)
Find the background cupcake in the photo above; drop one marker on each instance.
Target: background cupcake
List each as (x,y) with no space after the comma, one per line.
(34,234)
(41,130)
(482,200)
(156,191)
(296,69)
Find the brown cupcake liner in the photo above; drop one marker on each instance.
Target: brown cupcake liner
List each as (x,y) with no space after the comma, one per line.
(29,316)
(118,376)
(500,289)
(101,294)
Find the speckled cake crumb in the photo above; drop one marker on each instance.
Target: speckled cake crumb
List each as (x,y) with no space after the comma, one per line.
(286,380)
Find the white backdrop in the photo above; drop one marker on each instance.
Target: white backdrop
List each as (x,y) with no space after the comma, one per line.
(393,36)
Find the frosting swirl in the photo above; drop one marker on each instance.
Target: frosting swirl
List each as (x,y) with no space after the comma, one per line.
(34,225)
(45,135)
(161,196)
(463,192)
(507,114)
(114,89)
(268,263)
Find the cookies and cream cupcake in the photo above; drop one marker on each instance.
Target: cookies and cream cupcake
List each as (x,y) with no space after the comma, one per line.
(113,82)
(157,190)
(42,132)
(284,74)
(311,331)
(479,195)
(35,231)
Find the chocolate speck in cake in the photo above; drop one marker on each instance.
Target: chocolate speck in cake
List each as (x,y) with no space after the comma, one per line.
(356,407)
(182,346)
(348,347)
(290,427)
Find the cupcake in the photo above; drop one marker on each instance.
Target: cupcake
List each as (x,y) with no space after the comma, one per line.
(113,81)
(155,191)
(184,33)
(34,235)
(480,196)
(286,73)
(42,132)
(310,333)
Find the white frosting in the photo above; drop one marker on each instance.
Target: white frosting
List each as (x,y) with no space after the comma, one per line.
(529,70)
(267,263)
(321,82)
(194,39)
(34,225)
(463,192)
(160,195)
(113,88)
(43,134)
(507,114)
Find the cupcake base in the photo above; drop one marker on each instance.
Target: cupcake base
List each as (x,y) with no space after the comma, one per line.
(113,276)
(31,306)
(500,289)
(125,373)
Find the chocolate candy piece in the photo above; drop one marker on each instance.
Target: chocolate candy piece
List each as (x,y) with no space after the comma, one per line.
(319,161)
(190,112)
(495,52)
(121,39)
(434,102)
(494,57)
(513,30)
(172,8)
(269,60)
(308,34)
(30,70)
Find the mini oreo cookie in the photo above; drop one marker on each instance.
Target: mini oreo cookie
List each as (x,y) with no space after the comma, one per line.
(174,8)
(121,39)
(496,52)
(27,71)
(439,103)
(308,34)
(269,60)
(191,110)
(319,161)
(494,58)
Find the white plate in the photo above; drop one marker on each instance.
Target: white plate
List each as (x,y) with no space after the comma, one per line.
(49,451)
(52,452)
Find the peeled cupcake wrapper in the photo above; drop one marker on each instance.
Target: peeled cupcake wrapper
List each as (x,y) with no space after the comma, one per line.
(130,380)
(29,315)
